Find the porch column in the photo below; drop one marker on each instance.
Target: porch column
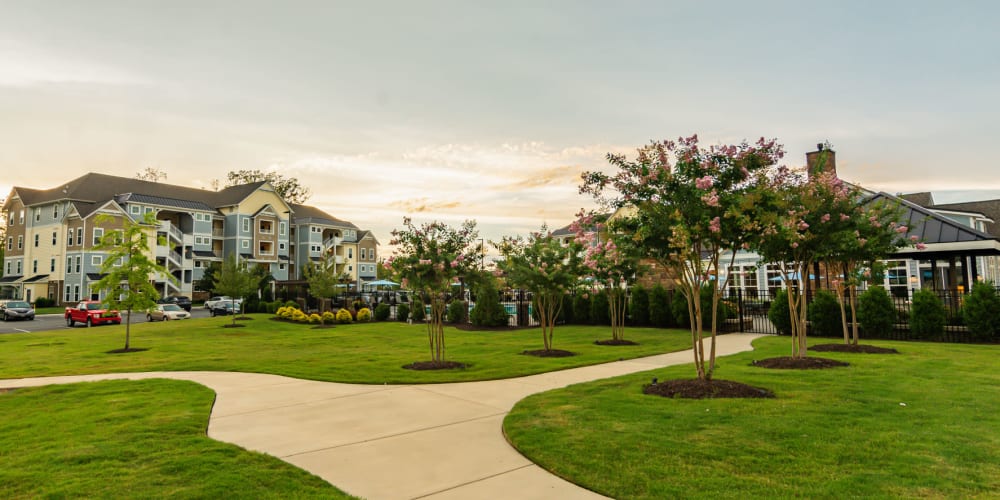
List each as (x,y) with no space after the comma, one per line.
(974,268)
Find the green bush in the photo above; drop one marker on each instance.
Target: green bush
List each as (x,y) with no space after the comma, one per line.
(660,315)
(44,302)
(488,310)
(927,315)
(328,318)
(600,312)
(418,311)
(824,314)
(639,306)
(402,312)
(876,312)
(981,311)
(344,316)
(679,309)
(458,312)
(292,303)
(566,312)
(780,314)
(364,315)
(581,308)
(382,312)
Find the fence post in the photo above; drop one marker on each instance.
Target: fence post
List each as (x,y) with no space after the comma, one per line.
(739,309)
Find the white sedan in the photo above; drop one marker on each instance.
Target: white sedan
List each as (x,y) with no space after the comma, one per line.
(163,312)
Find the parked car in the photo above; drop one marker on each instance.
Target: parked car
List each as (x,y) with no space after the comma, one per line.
(91,313)
(16,309)
(163,312)
(224,308)
(210,303)
(180,300)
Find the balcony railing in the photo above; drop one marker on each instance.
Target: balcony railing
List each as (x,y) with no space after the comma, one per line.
(172,230)
(218,232)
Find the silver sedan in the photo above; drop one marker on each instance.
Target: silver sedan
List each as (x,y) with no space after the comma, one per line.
(163,312)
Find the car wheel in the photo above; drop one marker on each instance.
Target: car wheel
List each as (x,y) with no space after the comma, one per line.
(69,321)
(149,317)
(165,317)
(90,322)
(211,312)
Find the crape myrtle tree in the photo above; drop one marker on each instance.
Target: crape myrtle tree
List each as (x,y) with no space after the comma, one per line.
(127,268)
(684,205)
(610,260)
(545,267)
(429,259)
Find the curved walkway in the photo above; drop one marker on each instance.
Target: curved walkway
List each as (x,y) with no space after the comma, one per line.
(435,441)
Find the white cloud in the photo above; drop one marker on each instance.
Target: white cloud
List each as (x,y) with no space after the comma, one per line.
(24,66)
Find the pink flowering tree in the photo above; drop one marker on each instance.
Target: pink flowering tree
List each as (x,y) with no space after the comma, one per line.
(429,259)
(683,205)
(545,267)
(610,260)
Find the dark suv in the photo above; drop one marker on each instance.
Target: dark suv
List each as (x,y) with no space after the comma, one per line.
(181,301)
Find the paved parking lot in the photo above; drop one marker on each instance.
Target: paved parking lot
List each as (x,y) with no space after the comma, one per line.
(55,322)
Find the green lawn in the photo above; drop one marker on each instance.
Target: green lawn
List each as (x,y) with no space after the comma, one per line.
(834,433)
(372,353)
(142,439)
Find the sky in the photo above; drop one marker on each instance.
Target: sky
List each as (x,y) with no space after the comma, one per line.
(490,111)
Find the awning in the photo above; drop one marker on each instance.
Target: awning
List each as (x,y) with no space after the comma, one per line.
(205,253)
(11,279)
(36,278)
(95,276)
(283,257)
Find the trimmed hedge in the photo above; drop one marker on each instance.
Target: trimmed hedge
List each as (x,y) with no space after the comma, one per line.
(876,312)
(927,315)
(824,314)
(639,306)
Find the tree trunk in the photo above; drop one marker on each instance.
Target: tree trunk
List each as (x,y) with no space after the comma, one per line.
(128,324)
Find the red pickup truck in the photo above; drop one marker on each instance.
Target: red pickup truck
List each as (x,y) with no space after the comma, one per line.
(91,313)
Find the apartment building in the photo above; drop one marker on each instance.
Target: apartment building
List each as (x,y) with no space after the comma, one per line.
(52,234)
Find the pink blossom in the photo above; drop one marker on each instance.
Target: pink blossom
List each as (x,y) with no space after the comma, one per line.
(862,241)
(715,226)
(825,218)
(425,261)
(746,246)
(844,217)
(902,229)
(795,244)
(921,246)
(867,273)
(914,238)
(454,263)
(803,225)
(711,199)
(704,182)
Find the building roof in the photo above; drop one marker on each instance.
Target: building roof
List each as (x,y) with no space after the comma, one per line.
(305,214)
(989,208)
(942,235)
(36,278)
(924,199)
(166,202)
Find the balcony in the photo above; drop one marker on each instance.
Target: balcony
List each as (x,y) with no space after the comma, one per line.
(332,242)
(218,232)
(172,231)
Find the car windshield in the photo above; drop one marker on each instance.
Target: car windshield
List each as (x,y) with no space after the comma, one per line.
(95,306)
(171,307)
(13,305)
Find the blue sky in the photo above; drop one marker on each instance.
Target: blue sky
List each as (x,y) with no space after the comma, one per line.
(454,110)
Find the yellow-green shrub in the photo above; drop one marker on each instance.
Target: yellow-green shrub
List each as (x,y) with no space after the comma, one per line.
(364,315)
(315,319)
(298,315)
(329,318)
(283,313)
(344,316)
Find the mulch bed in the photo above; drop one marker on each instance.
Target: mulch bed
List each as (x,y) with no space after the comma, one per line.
(705,389)
(806,363)
(434,365)
(230,325)
(615,342)
(130,349)
(321,327)
(243,318)
(550,353)
(861,348)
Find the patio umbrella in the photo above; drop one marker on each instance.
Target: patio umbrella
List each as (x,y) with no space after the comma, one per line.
(382,283)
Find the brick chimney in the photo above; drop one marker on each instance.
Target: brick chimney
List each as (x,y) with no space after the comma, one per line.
(823,159)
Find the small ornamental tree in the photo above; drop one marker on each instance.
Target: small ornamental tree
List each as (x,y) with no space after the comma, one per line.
(684,205)
(609,260)
(236,280)
(127,267)
(323,278)
(429,259)
(546,268)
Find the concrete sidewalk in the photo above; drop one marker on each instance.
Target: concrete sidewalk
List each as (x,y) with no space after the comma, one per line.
(436,441)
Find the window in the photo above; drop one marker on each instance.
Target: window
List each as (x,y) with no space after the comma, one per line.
(20,217)
(350,268)
(8,268)
(18,267)
(135,210)
(69,237)
(281,267)
(79,260)
(98,234)
(350,253)
(52,266)
(36,241)
(76,292)
(96,260)
(246,225)
(282,228)
(34,266)
(314,229)
(69,264)
(20,242)
(55,211)
(265,227)
(67,293)
(119,262)
(197,264)
(364,251)
(265,248)
(10,242)
(38,214)
(79,236)
(281,246)
(54,237)
(148,209)
(245,244)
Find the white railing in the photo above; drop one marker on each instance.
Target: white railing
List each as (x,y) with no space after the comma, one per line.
(176,258)
(332,242)
(172,230)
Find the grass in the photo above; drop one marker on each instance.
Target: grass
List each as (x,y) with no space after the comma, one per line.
(834,433)
(132,439)
(50,310)
(371,353)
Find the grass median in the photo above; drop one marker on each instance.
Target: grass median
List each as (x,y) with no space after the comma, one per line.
(923,423)
(368,353)
(132,439)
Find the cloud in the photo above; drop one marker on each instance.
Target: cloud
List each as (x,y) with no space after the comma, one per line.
(25,66)
(420,205)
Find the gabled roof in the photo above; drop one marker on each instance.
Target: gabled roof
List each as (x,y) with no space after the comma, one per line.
(164,201)
(365,234)
(924,199)
(989,208)
(941,234)
(305,214)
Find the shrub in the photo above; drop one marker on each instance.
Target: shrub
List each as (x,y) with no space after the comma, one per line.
(298,315)
(364,315)
(418,313)
(780,314)
(927,315)
(458,311)
(600,310)
(44,302)
(488,310)
(581,308)
(981,311)
(659,308)
(329,318)
(679,310)
(344,316)
(292,304)
(824,314)
(281,312)
(876,312)
(639,306)
(315,319)
(566,312)
(382,312)
(402,312)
